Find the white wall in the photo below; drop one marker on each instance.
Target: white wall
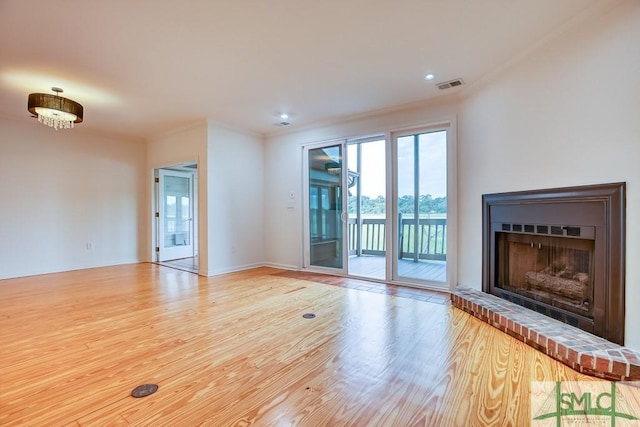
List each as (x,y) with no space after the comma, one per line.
(569,114)
(283,167)
(236,199)
(62,190)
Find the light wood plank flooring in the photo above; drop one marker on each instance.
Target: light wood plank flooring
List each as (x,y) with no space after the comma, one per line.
(234,350)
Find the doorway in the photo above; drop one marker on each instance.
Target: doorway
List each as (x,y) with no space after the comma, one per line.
(176,219)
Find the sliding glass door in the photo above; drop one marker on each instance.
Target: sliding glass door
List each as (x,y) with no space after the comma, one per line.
(379,207)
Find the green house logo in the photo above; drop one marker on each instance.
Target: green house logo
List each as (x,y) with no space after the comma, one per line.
(585,403)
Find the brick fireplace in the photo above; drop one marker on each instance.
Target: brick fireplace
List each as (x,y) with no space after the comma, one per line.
(553,276)
(559,252)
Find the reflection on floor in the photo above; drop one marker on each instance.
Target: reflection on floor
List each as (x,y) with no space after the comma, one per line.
(399,291)
(185,264)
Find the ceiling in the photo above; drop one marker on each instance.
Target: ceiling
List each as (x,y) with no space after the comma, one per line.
(145,67)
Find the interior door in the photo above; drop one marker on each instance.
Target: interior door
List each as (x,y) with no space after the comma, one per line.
(175,237)
(325,207)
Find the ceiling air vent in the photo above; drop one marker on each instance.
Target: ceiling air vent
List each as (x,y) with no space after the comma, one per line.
(558,231)
(542,229)
(573,231)
(450,84)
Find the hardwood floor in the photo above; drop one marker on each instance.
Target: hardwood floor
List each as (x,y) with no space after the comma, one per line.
(234,350)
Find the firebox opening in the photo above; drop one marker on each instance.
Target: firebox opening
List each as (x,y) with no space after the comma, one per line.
(557,271)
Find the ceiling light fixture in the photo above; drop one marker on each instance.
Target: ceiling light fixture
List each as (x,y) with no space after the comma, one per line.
(429,77)
(284,119)
(54,110)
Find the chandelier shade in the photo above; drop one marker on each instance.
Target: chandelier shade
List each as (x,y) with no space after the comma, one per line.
(54,110)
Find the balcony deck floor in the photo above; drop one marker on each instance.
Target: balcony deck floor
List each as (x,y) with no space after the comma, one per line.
(374,267)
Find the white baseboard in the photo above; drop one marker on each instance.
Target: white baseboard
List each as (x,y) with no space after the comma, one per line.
(281,266)
(235,269)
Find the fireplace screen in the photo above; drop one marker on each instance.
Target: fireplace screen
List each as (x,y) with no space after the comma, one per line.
(560,252)
(557,271)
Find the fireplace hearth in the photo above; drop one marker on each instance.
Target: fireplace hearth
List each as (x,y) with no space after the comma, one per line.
(559,252)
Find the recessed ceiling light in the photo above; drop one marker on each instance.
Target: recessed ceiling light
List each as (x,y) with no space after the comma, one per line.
(429,77)
(284,116)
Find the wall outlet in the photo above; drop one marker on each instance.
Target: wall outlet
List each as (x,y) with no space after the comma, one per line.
(89,246)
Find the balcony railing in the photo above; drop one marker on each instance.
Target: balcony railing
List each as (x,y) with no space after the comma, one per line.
(429,237)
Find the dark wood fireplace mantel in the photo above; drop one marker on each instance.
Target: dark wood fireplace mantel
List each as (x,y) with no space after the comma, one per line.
(596,211)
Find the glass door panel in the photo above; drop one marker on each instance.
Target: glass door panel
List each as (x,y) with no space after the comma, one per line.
(326,211)
(176,215)
(421,204)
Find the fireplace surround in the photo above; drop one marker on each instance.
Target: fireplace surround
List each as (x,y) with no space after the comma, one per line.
(559,252)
